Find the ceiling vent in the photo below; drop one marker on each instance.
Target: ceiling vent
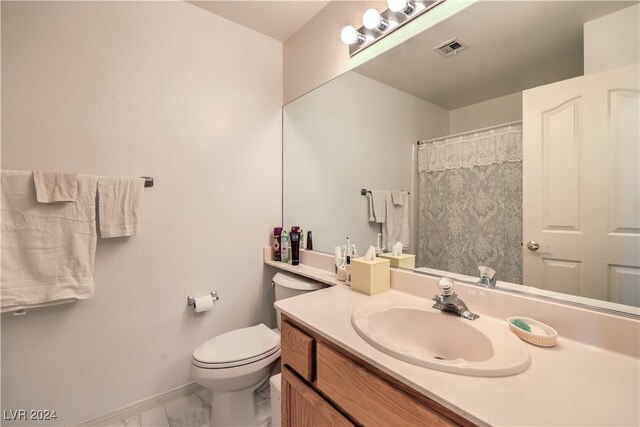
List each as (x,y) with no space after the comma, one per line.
(450,47)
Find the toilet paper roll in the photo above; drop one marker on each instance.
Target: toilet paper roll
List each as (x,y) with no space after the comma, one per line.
(204,303)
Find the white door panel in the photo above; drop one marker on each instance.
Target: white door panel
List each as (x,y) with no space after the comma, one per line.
(581,183)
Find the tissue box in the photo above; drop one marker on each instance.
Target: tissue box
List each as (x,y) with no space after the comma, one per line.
(402,261)
(370,277)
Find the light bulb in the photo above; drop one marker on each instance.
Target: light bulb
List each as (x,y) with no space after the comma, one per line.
(371,19)
(404,6)
(396,5)
(350,35)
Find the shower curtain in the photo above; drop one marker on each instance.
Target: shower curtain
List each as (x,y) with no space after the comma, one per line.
(470,202)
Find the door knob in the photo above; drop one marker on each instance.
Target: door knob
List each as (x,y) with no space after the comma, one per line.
(533,246)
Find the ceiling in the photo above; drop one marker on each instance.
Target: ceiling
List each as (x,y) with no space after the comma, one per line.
(276,19)
(514,45)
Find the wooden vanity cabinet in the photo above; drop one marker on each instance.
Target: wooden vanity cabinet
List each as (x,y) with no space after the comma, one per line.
(324,385)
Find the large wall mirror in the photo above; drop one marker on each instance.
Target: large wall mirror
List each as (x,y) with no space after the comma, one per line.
(520,151)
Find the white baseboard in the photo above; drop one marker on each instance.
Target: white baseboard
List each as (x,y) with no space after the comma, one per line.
(143,405)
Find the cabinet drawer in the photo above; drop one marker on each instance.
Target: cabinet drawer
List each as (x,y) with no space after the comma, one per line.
(302,406)
(369,400)
(298,351)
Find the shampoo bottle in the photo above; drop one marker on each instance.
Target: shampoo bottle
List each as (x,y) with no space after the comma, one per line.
(295,247)
(284,247)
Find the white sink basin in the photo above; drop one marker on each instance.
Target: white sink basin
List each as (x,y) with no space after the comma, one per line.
(427,337)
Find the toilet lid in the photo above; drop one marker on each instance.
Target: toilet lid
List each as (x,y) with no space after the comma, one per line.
(238,346)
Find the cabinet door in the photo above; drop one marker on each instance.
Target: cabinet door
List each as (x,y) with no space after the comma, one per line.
(302,406)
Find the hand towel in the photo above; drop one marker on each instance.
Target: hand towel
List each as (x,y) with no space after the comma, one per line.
(397,197)
(53,187)
(48,249)
(396,227)
(120,206)
(372,216)
(380,205)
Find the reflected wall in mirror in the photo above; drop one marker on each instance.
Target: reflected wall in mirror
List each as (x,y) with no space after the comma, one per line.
(562,173)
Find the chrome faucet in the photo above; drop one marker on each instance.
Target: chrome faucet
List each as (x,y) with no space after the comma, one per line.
(487,277)
(449,302)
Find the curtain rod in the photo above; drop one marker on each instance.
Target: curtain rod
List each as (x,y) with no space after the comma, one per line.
(455,135)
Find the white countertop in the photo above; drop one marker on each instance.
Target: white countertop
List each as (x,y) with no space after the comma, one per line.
(568,385)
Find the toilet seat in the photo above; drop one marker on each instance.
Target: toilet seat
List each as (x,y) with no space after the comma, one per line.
(237,348)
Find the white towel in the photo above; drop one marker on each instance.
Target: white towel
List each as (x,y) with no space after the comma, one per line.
(372,216)
(48,250)
(396,227)
(379,199)
(53,187)
(397,197)
(120,206)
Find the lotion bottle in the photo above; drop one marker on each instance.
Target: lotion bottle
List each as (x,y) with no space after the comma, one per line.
(284,246)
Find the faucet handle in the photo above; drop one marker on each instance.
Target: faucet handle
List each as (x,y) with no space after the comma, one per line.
(486,272)
(446,286)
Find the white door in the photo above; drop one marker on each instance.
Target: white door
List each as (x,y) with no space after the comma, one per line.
(581,185)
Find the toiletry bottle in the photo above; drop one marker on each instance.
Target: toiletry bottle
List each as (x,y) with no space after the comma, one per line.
(354,251)
(277,231)
(347,281)
(347,258)
(309,241)
(337,258)
(301,238)
(342,266)
(295,247)
(284,247)
(379,245)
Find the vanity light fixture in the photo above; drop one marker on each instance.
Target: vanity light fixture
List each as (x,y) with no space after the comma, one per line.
(378,24)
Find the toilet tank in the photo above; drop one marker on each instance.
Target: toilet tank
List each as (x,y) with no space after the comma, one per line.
(287,286)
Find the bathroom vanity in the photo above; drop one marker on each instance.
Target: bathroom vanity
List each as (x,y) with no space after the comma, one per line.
(323,384)
(332,376)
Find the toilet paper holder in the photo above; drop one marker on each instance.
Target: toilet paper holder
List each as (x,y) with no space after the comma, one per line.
(191,300)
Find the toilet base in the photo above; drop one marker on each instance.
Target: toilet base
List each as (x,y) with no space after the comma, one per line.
(241,408)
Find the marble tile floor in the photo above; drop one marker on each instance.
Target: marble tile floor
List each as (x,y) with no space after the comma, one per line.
(193,410)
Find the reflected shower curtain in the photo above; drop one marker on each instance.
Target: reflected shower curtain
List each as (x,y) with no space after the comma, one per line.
(470,203)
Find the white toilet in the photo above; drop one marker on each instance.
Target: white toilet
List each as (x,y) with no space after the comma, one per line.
(237,365)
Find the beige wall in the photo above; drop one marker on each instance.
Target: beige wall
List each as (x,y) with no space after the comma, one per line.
(314,54)
(493,112)
(142,88)
(612,41)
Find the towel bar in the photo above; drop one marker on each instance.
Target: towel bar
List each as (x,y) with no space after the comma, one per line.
(148,181)
(364,192)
